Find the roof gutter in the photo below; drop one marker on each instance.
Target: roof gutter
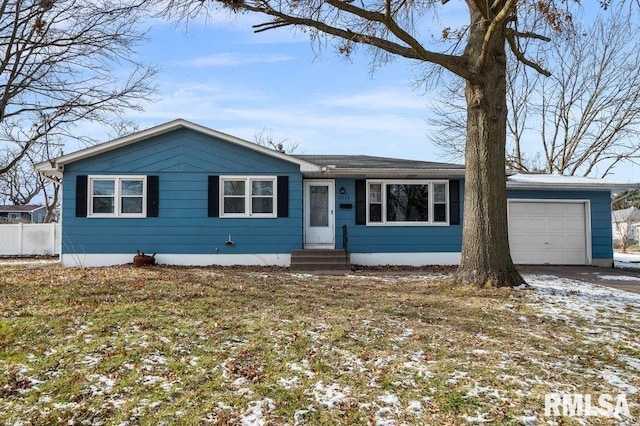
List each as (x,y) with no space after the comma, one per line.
(611,187)
(334,172)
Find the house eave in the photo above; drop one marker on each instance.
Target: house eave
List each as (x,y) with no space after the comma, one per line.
(573,183)
(610,187)
(50,171)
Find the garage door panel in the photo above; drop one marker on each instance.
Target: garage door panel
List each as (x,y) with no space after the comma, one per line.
(574,209)
(559,225)
(536,224)
(554,209)
(575,242)
(547,232)
(573,258)
(538,240)
(518,209)
(520,224)
(518,243)
(555,241)
(576,225)
(537,210)
(535,256)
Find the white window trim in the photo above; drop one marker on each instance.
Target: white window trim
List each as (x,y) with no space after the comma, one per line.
(248,197)
(117,196)
(384,183)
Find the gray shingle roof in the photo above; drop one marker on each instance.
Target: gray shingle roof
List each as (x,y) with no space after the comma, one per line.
(375,163)
(22,208)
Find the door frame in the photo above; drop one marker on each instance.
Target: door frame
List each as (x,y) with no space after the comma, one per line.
(329,244)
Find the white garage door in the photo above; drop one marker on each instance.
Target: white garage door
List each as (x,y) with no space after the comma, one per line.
(548,232)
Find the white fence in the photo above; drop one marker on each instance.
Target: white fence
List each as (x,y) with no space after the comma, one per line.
(30,239)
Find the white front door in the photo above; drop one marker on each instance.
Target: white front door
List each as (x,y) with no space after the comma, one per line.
(319,215)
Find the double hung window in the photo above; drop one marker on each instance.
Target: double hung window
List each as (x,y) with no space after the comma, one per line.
(117,196)
(246,196)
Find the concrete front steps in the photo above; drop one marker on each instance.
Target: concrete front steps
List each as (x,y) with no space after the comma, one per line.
(320,261)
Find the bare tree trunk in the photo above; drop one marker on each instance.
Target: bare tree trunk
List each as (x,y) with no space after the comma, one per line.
(486,258)
(392,29)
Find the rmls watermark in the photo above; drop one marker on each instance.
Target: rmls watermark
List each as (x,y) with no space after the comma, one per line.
(583,405)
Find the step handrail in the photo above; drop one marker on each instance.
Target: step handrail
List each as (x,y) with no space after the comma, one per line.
(345,242)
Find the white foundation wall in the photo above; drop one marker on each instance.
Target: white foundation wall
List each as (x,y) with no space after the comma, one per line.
(111,259)
(270,259)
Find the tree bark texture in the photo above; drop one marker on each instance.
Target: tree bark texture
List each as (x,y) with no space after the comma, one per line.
(486,259)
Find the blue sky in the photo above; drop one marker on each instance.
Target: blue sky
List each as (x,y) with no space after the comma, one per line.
(222,75)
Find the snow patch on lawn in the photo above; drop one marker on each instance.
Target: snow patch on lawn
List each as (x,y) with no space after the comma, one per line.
(416,364)
(456,376)
(330,396)
(415,408)
(101,384)
(150,380)
(91,360)
(289,383)
(611,375)
(389,399)
(631,362)
(254,414)
(303,368)
(155,359)
(406,333)
(479,418)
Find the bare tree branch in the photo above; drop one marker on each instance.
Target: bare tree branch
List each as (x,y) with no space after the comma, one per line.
(511,40)
(265,138)
(506,9)
(61,64)
(583,120)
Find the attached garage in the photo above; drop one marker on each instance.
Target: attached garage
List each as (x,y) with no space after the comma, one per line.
(550,232)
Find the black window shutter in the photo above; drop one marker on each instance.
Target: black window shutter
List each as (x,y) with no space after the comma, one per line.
(81,195)
(153,195)
(283,196)
(454,202)
(214,196)
(361,202)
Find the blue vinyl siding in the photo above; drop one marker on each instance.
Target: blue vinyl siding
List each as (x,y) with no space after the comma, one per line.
(601,234)
(433,239)
(183,160)
(392,239)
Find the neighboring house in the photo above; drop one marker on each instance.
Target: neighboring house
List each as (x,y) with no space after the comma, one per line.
(198,196)
(626,225)
(22,214)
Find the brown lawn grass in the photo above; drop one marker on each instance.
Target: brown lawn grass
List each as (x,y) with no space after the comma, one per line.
(170,345)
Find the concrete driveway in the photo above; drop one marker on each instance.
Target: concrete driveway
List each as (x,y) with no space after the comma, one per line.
(621,279)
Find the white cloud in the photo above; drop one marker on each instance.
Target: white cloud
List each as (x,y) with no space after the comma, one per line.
(232,60)
(239,27)
(354,121)
(244,111)
(382,99)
